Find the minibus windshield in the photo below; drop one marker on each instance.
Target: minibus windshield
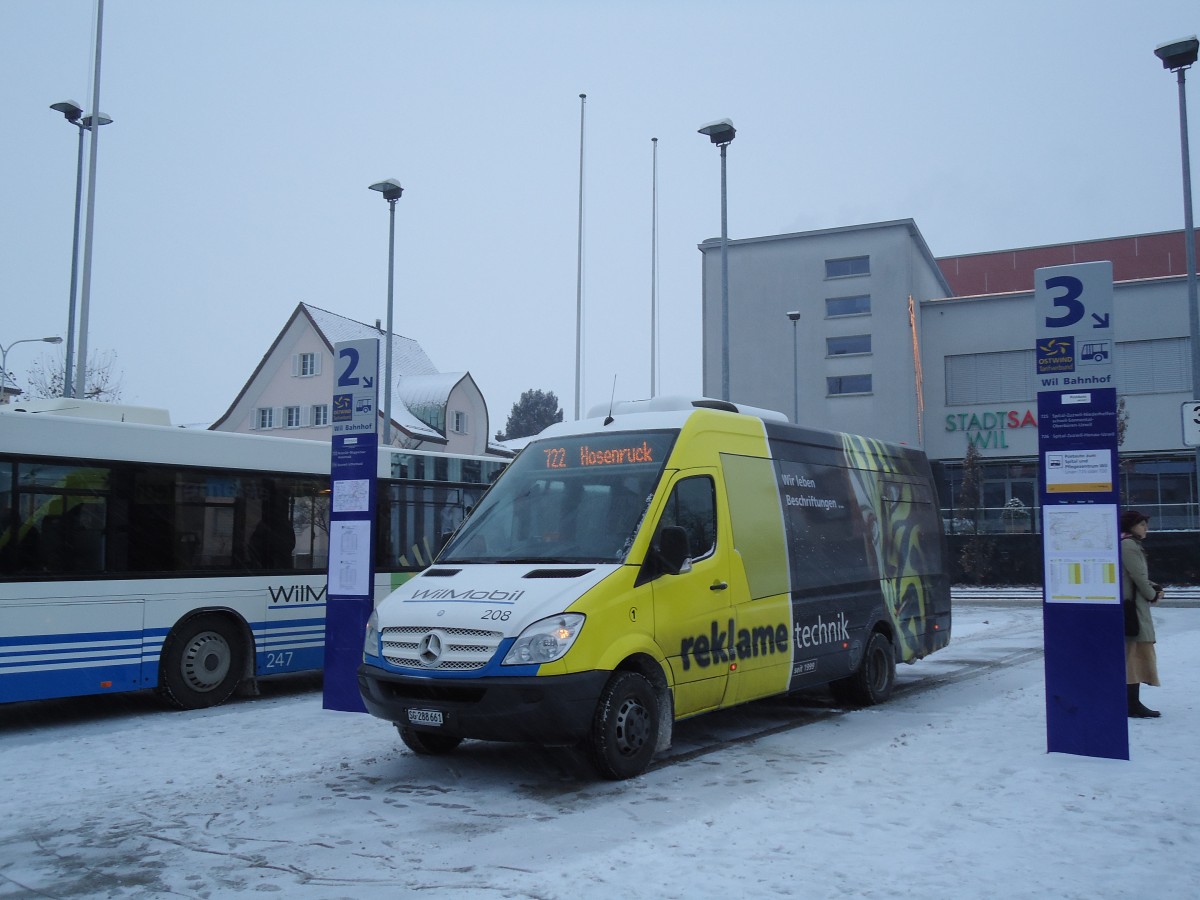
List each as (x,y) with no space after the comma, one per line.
(576,499)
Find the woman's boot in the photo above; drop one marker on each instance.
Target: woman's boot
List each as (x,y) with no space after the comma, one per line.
(1136,708)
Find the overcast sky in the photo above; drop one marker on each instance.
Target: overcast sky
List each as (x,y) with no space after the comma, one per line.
(233,182)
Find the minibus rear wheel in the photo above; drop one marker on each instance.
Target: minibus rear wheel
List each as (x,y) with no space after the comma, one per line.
(625,727)
(875,677)
(425,743)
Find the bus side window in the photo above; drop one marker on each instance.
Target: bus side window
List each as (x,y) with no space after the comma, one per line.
(692,505)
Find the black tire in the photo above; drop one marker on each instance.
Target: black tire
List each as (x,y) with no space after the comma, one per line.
(625,728)
(426,743)
(875,677)
(202,662)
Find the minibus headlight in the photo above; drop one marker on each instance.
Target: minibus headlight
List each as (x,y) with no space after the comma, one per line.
(545,641)
(371,640)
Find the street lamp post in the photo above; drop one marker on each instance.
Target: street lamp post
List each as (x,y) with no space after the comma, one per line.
(74,114)
(4,359)
(391,191)
(722,133)
(794,315)
(1178,56)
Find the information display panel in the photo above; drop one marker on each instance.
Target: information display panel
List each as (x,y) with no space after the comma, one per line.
(1077,448)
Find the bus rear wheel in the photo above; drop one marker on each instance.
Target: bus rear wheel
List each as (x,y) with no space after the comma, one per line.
(875,677)
(625,727)
(202,662)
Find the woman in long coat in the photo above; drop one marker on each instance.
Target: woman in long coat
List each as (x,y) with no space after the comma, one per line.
(1141,662)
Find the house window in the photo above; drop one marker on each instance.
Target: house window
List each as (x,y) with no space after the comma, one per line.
(848,384)
(853,343)
(843,268)
(291,416)
(265,417)
(458,422)
(306,364)
(320,414)
(848,306)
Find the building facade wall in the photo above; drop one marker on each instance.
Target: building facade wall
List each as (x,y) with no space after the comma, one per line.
(977,371)
(825,276)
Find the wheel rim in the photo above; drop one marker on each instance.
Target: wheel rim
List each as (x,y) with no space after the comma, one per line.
(206,661)
(878,670)
(632,727)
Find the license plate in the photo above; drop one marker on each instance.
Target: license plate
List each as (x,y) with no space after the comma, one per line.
(425,716)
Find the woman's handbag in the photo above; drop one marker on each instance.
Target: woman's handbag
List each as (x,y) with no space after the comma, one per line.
(1131,618)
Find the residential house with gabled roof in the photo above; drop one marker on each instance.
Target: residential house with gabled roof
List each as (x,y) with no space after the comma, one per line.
(289,392)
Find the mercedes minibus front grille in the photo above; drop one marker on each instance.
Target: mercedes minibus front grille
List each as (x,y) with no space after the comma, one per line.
(458,649)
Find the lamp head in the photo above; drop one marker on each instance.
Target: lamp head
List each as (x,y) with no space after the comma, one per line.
(53,340)
(390,189)
(719,132)
(794,315)
(1178,54)
(89,121)
(70,109)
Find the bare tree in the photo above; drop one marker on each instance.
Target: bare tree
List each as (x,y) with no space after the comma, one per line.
(101,380)
(975,557)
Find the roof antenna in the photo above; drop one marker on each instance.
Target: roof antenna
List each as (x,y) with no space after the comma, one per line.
(608,420)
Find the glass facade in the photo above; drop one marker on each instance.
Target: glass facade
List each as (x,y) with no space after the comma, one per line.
(1161,485)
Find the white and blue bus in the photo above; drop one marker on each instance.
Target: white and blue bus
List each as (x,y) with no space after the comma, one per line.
(136,555)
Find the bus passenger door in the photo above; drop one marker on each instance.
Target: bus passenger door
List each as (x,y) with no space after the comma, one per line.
(693,618)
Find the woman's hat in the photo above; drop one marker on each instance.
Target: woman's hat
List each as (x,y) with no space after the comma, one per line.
(1132,517)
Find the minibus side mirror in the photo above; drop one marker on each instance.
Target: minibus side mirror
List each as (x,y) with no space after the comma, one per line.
(673,550)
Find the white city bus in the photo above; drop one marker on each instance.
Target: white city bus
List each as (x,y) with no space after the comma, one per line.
(136,555)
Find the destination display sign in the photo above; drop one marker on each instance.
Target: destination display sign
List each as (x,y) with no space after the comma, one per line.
(618,450)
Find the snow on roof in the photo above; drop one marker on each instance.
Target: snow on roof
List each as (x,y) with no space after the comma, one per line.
(416,390)
(408,358)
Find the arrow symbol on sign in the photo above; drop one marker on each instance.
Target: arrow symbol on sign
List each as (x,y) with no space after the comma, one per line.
(368,382)
(1101,320)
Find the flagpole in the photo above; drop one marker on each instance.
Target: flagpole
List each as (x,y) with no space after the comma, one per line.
(654,270)
(579,279)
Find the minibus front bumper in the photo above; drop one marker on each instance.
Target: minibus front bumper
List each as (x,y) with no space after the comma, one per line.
(555,709)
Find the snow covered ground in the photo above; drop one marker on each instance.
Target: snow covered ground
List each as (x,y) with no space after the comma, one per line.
(946,791)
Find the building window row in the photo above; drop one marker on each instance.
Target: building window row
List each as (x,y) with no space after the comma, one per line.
(859,305)
(268,417)
(844,268)
(848,344)
(848,384)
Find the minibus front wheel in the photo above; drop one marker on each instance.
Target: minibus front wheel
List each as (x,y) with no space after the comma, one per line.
(425,743)
(624,732)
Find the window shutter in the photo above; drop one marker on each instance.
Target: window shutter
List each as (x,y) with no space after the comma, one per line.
(1154,367)
(305,416)
(254,420)
(1004,377)
(295,364)
(277,417)
(316,363)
